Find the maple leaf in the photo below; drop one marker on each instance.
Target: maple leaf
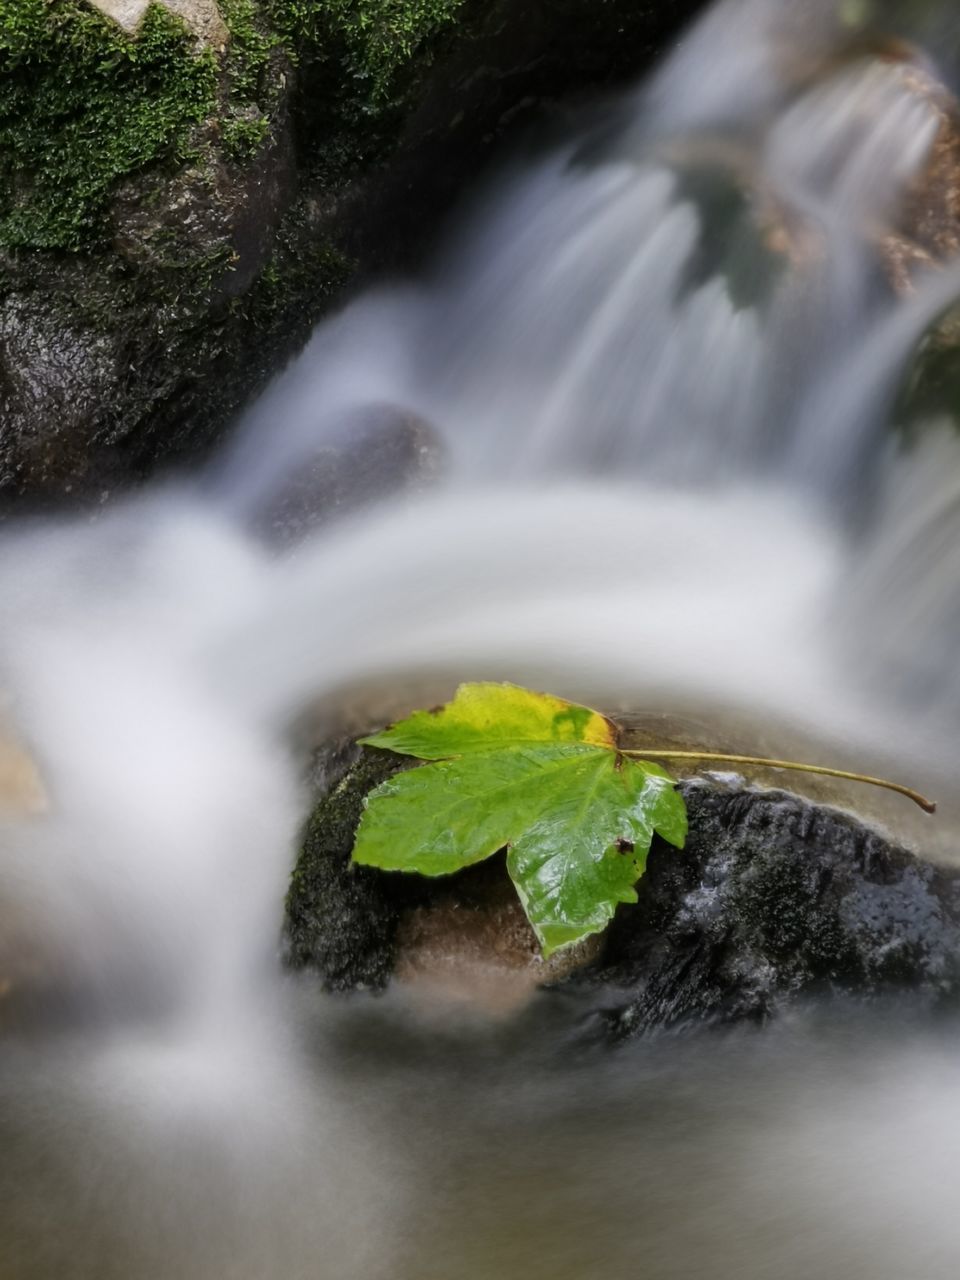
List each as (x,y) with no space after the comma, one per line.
(538,776)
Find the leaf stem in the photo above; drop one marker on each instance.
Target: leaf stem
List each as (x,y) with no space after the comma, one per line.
(929,806)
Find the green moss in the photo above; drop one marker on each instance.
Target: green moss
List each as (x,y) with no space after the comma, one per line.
(243,136)
(383,35)
(252,43)
(930,388)
(250,87)
(82,105)
(376,37)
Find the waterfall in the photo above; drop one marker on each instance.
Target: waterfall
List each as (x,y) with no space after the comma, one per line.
(630,440)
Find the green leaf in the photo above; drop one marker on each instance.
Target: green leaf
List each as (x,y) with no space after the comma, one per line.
(538,776)
(484,716)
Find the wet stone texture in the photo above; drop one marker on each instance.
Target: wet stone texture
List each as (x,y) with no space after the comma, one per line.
(773,899)
(341,920)
(288,149)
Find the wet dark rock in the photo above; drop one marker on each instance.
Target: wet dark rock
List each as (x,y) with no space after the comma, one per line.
(377,451)
(341,920)
(54,374)
(130,340)
(460,939)
(772,900)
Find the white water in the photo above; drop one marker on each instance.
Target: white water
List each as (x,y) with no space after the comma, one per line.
(667,480)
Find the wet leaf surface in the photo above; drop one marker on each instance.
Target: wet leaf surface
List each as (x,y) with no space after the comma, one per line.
(536,775)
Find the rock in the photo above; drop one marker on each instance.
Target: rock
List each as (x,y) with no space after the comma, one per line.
(342,920)
(239,162)
(378,450)
(202,17)
(128,14)
(931,214)
(472,946)
(927,239)
(461,939)
(54,375)
(773,899)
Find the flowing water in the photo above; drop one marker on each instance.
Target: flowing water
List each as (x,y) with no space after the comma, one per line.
(644,407)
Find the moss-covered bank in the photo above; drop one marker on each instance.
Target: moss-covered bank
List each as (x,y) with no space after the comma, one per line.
(176,212)
(83,103)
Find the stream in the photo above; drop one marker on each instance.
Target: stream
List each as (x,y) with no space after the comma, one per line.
(634,438)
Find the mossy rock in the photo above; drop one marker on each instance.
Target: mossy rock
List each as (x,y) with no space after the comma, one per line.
(176,215)
(341,920)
